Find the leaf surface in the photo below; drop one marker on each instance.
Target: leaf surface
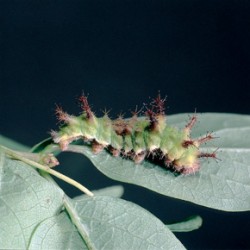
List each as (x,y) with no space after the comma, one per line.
(57,232)
(188,225)
(12,144)
(222,184)
(113,223)
(113,191)
(25,200)
(32,217)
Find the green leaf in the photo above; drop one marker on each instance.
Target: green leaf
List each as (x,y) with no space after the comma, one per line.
(113,223)
(12,144)
(187,225)
(32,217)
(221,184)
(113,191)
(57,232)
(26,199)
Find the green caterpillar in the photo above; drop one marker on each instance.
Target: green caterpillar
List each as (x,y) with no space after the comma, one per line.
(137,138)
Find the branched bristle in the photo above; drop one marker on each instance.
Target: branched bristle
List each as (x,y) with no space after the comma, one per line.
(191,122)
(158,104)
(205,139)
(106,112)
(207,155)
(120,116)
(136,112)
(156,109)
(152,118)
(61,115)
(55,136)
(151,115)
(85,106)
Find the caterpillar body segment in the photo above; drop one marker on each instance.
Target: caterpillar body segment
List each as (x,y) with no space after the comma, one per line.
(137,138)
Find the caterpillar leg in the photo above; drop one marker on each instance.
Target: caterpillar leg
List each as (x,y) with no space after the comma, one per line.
(138,158)
(96,147)
(190,169)
(115,152)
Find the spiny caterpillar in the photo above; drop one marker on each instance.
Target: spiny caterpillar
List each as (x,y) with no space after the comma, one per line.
(137,138)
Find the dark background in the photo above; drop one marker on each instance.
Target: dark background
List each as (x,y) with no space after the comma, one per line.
(121,52)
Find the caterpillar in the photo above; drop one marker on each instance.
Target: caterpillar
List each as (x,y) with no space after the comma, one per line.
(138,138)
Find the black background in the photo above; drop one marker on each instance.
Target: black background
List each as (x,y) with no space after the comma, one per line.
(121,53)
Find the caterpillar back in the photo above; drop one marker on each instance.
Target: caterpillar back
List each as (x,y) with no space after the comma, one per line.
(138,138)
